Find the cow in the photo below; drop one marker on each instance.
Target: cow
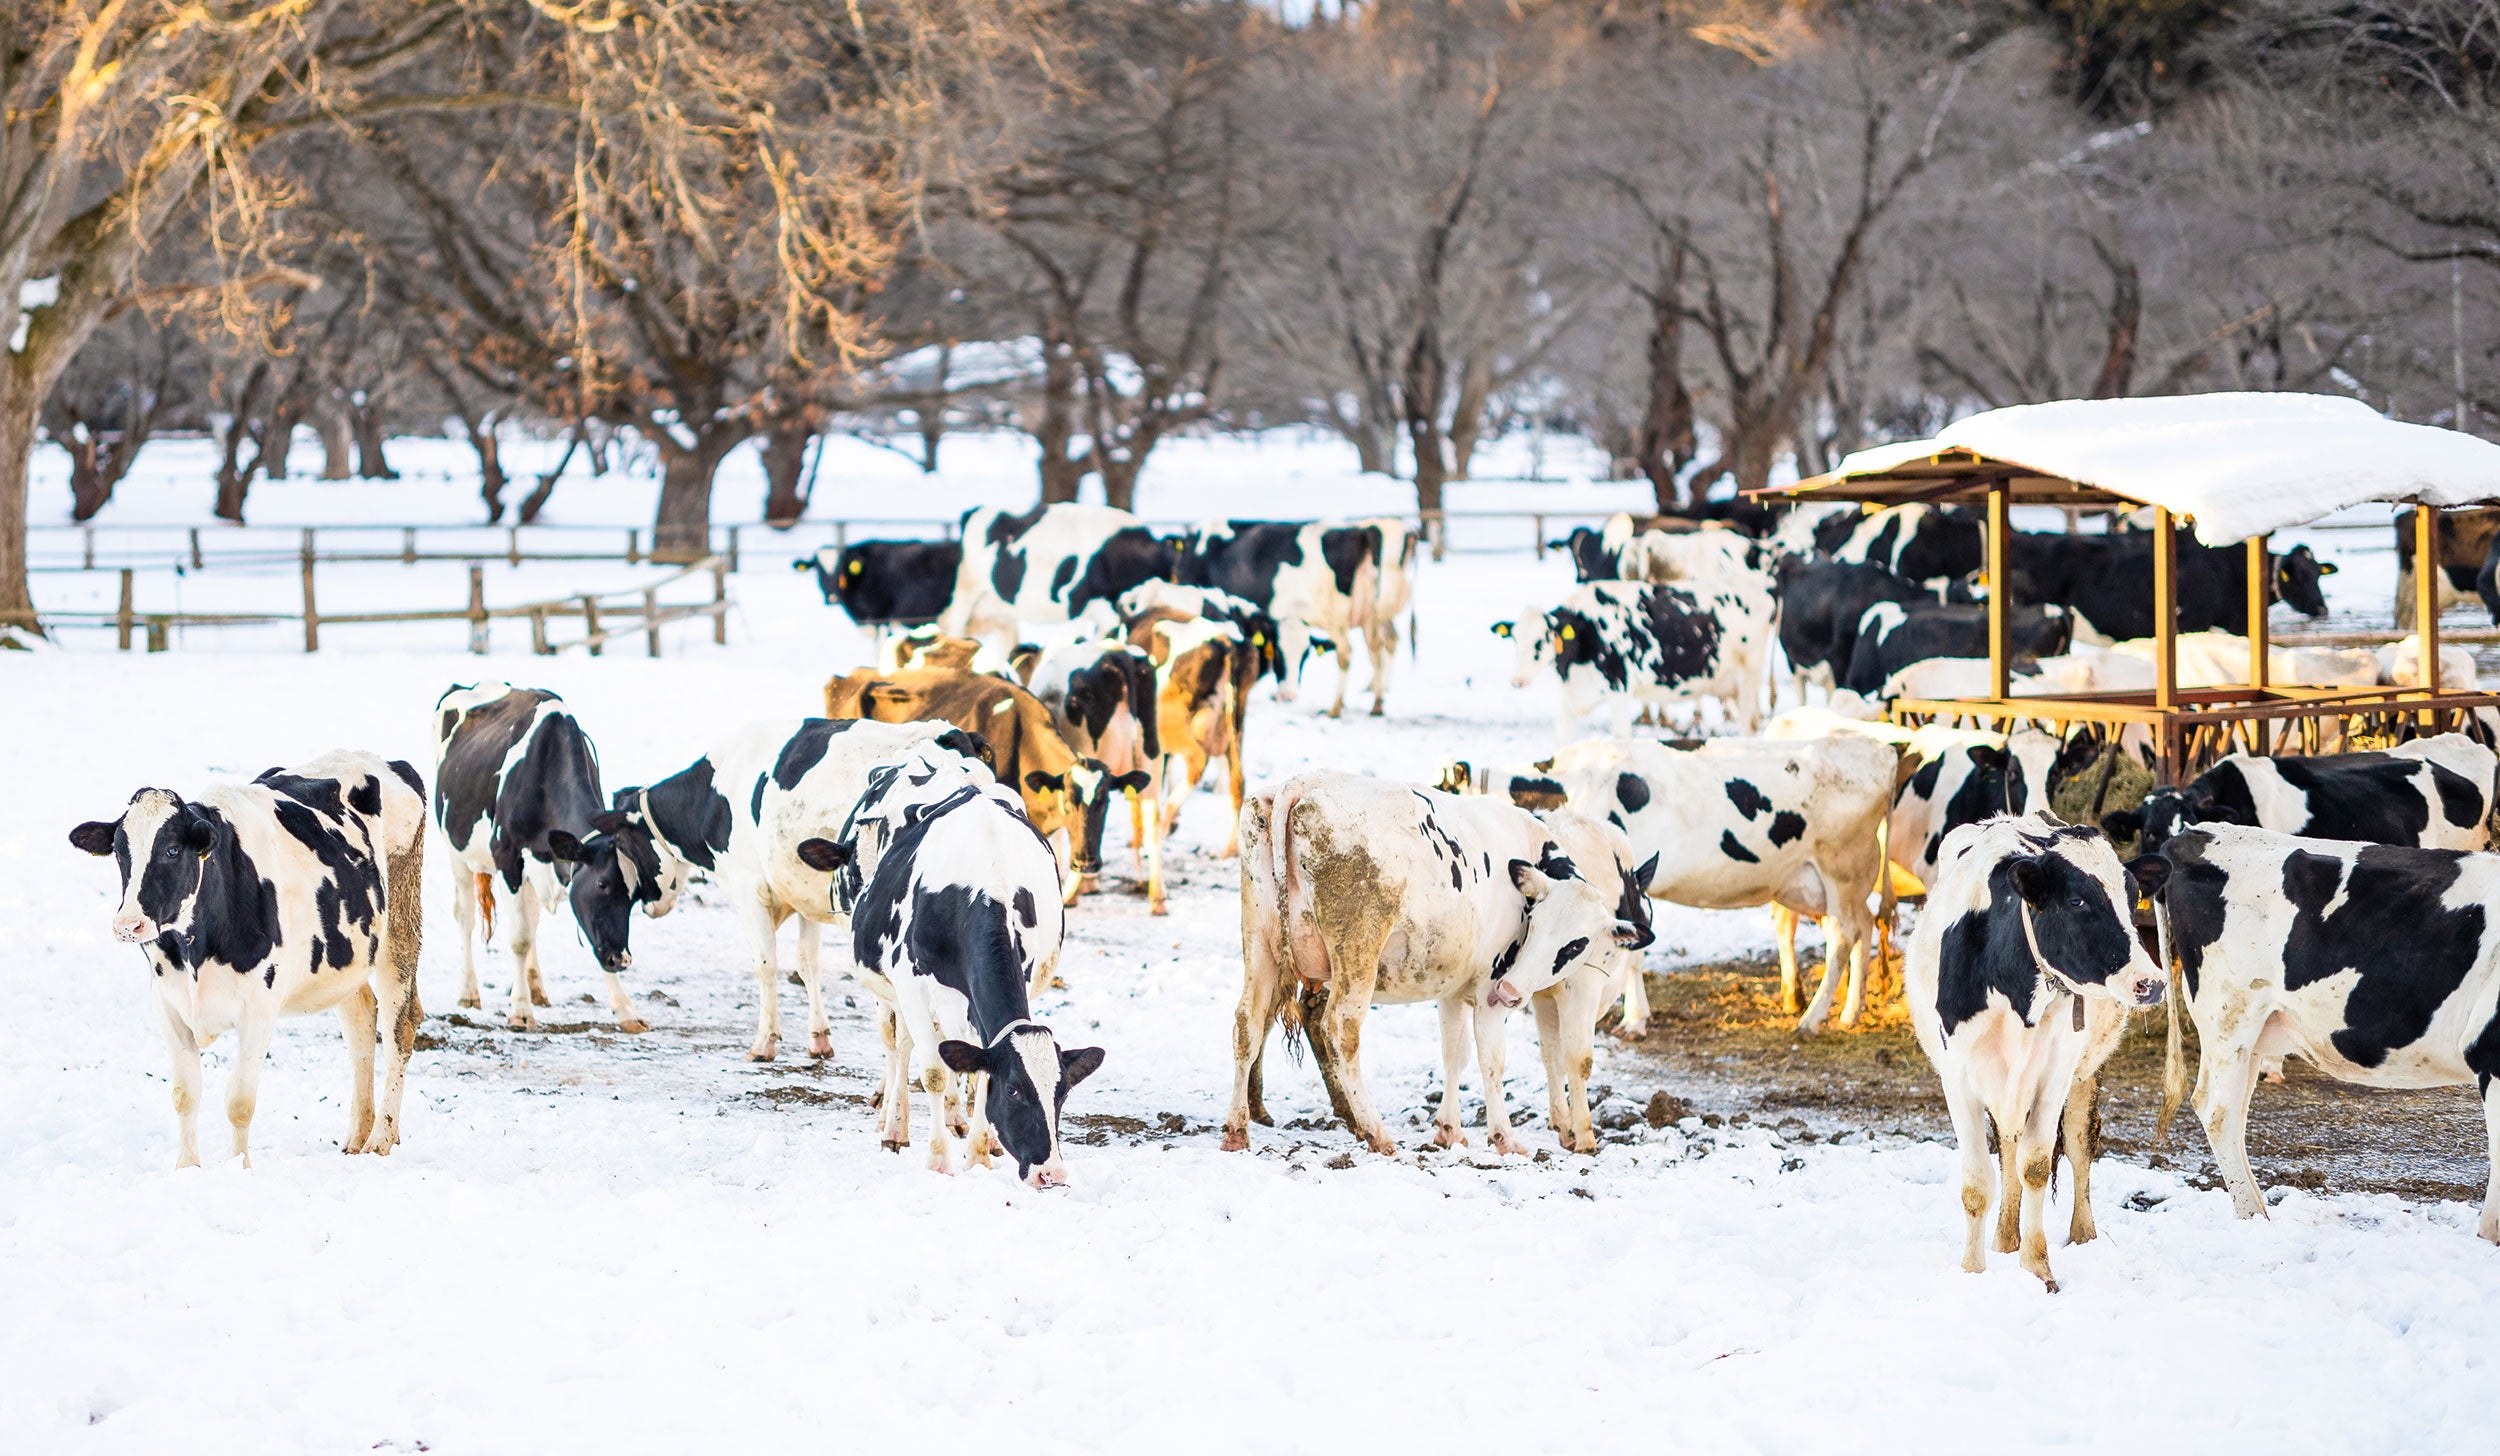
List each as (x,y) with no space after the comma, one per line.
(2020,976)
(2377,964)
(1062,790)
(1203,675)
(1102,697)
(516,783)
(1912,541)
(1733,823)
(1357,891)
(2107,580)
(1163,600)
(1401,552)
(298,892)
(1821,603)
(2428,793)
(1697,555)
(1319,580)
(1810,530)
(739,813)
(1047,565)
(887,583)
(956,929)
(1654,644)
(2469,556)
(1894,635)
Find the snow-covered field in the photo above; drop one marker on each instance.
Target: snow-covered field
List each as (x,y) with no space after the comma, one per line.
(593,1242)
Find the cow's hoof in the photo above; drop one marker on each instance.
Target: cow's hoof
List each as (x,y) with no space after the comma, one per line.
(1258,1114)
(539,998)
(633,1026)
(765,1050)
(1377,712)
(521,1023)
(1809,1027)
(820,1043)
(1448,1137)
(2081,1233)
(1628,1031)
(471,1001)
(1158,908)
(893,1145)
(1236,1140)
(1382,1146)
(1509,1146)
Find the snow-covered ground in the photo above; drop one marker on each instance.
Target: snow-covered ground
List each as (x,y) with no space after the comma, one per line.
(593,1242)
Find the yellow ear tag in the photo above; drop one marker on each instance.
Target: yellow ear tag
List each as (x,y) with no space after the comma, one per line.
(1566,634)
(854,568)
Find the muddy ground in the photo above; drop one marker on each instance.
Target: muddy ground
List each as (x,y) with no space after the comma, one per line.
(1718,1042)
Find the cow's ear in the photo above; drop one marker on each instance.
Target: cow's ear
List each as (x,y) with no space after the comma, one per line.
(970,745)
(1530,881)
(95,836)
(1503,629)
(2149,872)
(1632,935)
(963,1057)
(198,834)
(1040,782)
(1075,1066)
(2122,823)
(1137,779)
(2031,880)
(1647,873)
(823,854)
(2328,568)
(564,846)
(609,821)
(804,563)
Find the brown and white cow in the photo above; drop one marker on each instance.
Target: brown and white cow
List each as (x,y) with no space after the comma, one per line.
(1203,675)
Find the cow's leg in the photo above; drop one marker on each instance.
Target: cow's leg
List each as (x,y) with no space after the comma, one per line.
(1580,997)
(1136,827)
(1380,640)
(1293,639)
(2075,1128)
(2489,1228)
(357,1022)
(762,926)
(1635,1023)
(1547,1004)
(1491,1023)
(1063,848)
(1784,931)
(621,1005)
(1446,1132)
(464,912)
(2039,1159)
(1261,983)
(252,1029)
(1153,824)
(524,956)
(1342,1014)
(1233,781)
(1970,1135)
(394,984)
(1837,959)
(977,1104)
(939,1083)
(541,891)
(1850,924)
(894,1131)
(2009,1191)
(183,1049)
(819,1027)
(2227,1080)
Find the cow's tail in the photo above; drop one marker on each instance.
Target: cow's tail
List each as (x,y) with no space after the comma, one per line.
(1366,595)
(2174,1055)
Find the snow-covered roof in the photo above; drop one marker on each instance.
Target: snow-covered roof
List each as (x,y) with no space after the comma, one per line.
(2238,465)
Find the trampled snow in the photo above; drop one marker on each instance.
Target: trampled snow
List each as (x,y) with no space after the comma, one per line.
(595,1242)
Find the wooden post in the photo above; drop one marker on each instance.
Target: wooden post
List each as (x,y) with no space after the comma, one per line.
(590,625)
(720,600)
(88,532)
(1540,543)
(512,543)
(633,547)
(408,545)
(312,616)
(156,633)
(121,617)
(195,548)
(477,609)
(538,632)
(2000,593)
(2426,575)
(733,548)
(841,537)
(2165,616)
(2260,596)
(651,619)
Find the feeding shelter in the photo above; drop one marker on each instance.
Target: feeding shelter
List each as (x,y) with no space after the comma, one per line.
(2238,467)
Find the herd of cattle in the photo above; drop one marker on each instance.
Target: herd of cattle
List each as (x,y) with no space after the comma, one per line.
(952,804)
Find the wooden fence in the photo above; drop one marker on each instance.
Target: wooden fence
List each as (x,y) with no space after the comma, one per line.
(604,616)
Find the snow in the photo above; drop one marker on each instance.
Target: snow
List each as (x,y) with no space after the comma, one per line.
(593,1242)
(2240,465)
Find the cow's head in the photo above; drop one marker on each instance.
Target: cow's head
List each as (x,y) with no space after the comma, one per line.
(1536,641)
(1029,1079)
(2080,905)
(2165,813)
(620,866)
(2296,576)
(1081,799)
(827,565)
(164,847)
(1570,923)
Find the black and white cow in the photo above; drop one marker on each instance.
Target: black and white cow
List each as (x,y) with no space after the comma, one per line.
(1914,541)
(956,930)
(1821,604)
(2020,976)
(1102,698)
(2107,580)
(2430,793)
(1046,566)
(298,892)
(2376,964)
(1893,636)
(739,814)
(1320,581)
(1619,642)
(887,583)
(1358,891)
(1168,599)
(516,786)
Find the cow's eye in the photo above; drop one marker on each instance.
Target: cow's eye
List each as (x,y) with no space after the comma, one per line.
(2074,902)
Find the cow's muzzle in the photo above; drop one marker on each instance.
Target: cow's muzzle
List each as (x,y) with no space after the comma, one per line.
(133,928)
(1049,1175)
(2145,990)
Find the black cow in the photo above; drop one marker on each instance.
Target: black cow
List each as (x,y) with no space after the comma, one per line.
(1893,635)
(887,583)
(2108,580)
(2430,793)
(516,790)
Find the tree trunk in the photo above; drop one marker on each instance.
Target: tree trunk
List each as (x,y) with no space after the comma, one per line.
(683,529)
(785,464)
(337,444)
(1665,445)
(1373,452)
(490,477)
(1119,482)
(233,477)
(279,438)
(88,489)
(1475,386)
(1752,449)
(1062,473)
(933,412)
(365,422)
(19,416)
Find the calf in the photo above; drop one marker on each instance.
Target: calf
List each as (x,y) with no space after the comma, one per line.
(1356,891)
(956,929)
(1102,698)
(1062,791)
(887,583)
(2429,793)
(2378,964)
(740,813)
(1732,823)
(1895,635)
(1655,644)
(1047,566)
(295,893)
(1319,580)
(2020,976)
(516,785)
